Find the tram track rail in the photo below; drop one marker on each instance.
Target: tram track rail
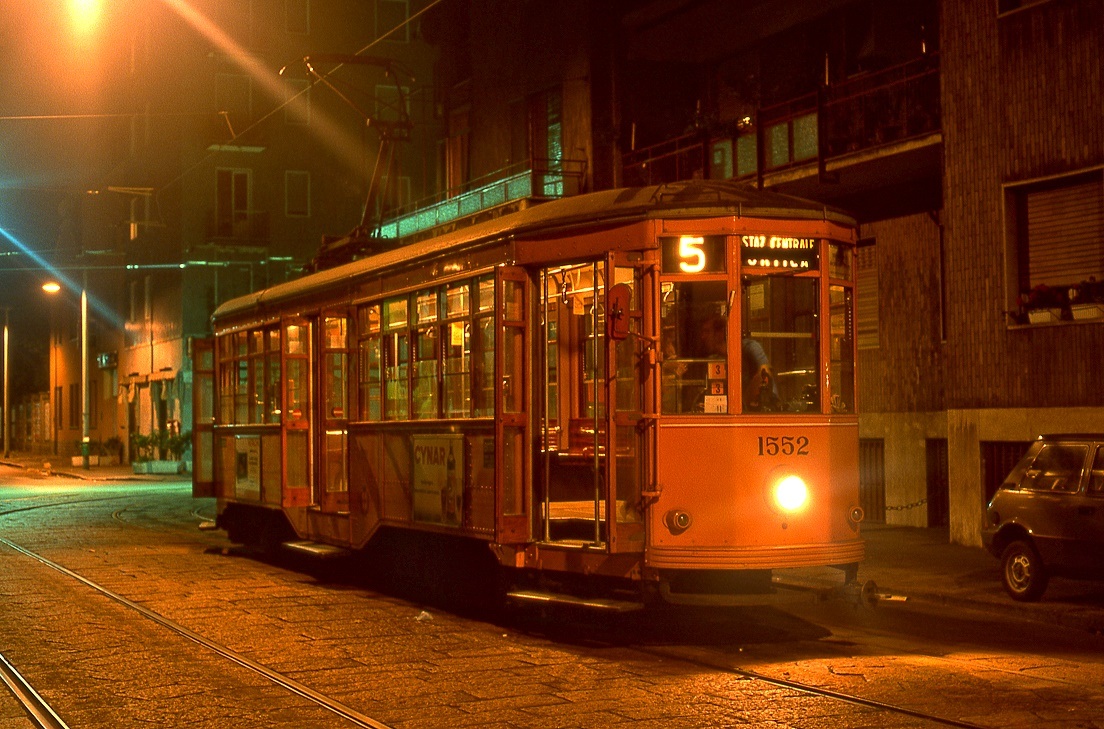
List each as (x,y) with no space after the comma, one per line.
(41,714)
(21,689)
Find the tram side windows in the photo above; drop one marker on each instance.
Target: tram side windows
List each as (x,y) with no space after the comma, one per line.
(483,350)
(297,382)
(426,356)
(272,376)
(694,371)
(456,348)
(779,367)
(396,356)
(369,360)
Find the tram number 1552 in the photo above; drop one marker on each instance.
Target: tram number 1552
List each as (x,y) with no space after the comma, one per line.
(786,445)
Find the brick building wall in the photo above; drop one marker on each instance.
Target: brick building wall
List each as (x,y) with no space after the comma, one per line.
(905,372)
(1021,100)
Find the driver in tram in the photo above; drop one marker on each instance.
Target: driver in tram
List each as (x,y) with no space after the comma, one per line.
(760,386)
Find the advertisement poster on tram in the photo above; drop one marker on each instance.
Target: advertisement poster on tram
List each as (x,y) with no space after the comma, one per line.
(438,478)
(247,476)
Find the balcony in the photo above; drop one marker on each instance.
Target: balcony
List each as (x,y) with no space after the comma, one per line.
(840,144)
(505,190)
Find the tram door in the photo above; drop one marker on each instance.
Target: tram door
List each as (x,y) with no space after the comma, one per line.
(332,484)
(512,402)
(581,500)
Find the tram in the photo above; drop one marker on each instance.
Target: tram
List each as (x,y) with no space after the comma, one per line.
(646,390)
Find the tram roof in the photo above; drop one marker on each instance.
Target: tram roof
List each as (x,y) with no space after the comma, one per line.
(695,198)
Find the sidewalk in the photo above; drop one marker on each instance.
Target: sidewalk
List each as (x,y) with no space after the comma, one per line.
(47,465)
(921,564)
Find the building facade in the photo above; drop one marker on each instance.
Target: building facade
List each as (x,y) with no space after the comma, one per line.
(241,135)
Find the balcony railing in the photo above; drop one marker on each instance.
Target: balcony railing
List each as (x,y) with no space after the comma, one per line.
(536,180)
(892,105)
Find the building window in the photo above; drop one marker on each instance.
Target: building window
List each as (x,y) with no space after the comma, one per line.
(866,295)
(297,193)
(232,202)
(297,16)
(457,149)
(1056,229)
(391,17)
(297,106)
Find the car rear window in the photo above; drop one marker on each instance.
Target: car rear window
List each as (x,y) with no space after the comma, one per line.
(1057,467)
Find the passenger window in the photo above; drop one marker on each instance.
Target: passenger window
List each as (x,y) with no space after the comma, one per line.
(1096,476)
(1056,468)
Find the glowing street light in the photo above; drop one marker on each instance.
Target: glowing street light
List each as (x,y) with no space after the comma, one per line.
(52,287)
(85,15)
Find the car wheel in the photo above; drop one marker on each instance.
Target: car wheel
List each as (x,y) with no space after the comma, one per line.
(1025,577)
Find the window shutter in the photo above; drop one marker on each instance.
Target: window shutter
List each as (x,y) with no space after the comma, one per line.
(866,297)
(1065,233)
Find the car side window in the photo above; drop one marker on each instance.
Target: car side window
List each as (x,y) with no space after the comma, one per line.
(1096,476)
(1056,468)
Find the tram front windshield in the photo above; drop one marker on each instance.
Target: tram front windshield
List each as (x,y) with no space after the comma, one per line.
(777,357)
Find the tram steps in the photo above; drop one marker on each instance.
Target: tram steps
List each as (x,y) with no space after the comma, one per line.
(316,549)
(591,603)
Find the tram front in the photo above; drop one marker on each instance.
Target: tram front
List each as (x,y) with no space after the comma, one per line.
(757,436)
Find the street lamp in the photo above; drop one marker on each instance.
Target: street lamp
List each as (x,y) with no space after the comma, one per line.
(52,287)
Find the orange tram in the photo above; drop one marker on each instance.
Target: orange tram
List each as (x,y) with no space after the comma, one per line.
(638,393)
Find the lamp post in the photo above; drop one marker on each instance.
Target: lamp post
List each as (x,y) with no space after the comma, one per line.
(7,412)
(52,287)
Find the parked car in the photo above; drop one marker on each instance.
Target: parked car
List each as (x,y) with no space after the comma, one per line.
(1047,518)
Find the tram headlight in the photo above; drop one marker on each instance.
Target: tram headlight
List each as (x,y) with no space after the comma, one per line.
(790,494)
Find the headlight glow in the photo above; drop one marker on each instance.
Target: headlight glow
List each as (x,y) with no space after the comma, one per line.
(791,494)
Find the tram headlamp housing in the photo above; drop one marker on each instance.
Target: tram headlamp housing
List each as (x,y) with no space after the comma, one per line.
(790,494)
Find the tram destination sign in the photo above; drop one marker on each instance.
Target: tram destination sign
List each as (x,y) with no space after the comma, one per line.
(777,251)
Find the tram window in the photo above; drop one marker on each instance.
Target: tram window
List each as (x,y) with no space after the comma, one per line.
(396,355)
(272,381)
(335,367)
(780,370)
(483,351)
(694,371)
(241,392)
(370,361)
(626,350)
(456,349)
(841,376)
(426,356)
(840,261)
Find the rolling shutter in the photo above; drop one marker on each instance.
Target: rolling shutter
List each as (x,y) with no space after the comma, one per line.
(1065,233)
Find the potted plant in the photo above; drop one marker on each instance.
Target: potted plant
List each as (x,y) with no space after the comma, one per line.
(141,452)
(1087,299)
